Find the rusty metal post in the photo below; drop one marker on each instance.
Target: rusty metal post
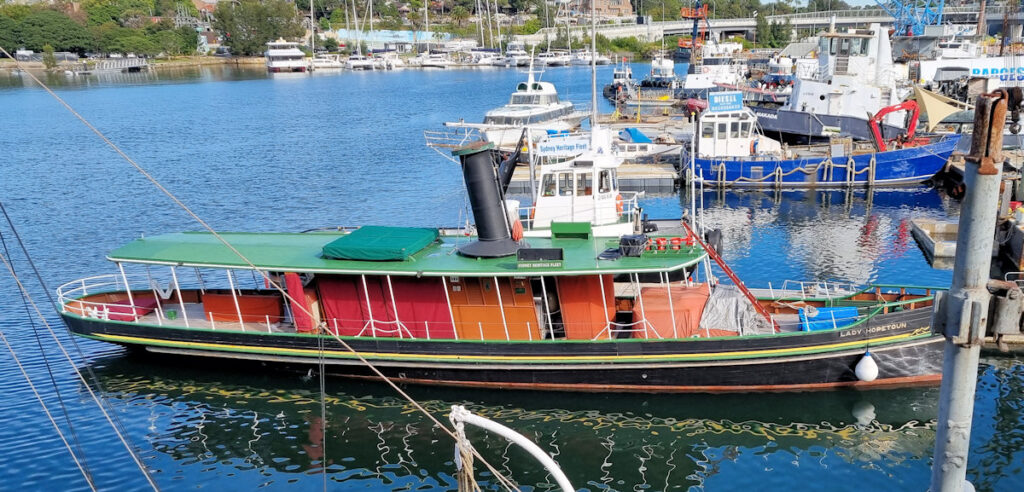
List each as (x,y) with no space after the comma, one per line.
(963,316)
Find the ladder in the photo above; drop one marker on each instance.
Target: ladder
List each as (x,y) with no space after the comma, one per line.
(732,276)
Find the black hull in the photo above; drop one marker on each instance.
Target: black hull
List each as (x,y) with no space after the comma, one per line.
(900,342)
(800,128)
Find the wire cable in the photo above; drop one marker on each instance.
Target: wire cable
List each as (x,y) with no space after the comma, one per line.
(501,478)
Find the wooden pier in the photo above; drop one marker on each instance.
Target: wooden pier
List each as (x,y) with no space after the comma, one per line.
(652,178)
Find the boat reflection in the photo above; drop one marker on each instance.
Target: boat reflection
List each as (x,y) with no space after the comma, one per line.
(839,235)
(273,424)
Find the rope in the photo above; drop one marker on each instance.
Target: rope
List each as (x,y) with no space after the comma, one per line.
(49,372)
(92,394)
(501,478)
(42,403)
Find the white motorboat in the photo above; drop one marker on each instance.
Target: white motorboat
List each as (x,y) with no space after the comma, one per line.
(388,60)
(584,57)
(533,105)
(435,60)
(327,61)
(359,62)
(516,55)
(285,56)
(554,59)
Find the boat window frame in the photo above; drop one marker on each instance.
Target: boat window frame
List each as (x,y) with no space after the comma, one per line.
(584,183)
(563,177)
(548,185)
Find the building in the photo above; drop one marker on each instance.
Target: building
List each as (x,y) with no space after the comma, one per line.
(605,8)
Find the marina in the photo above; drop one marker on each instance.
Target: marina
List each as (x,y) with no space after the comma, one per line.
(641,290)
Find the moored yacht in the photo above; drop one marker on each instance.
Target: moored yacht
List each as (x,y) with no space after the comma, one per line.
(554,59)
(584,57)
(359,62)
(327,61)
(516,55)
(285,56)
(534,105)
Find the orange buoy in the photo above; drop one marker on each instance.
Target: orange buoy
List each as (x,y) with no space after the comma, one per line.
(517,231)
(618,204)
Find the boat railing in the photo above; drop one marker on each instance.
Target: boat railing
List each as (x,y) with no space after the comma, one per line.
(445,141)
(812,289)
(97,284)
(1015,277)
(630,209)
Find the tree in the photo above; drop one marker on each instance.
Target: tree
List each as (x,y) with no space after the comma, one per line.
(249,25)
(329,44)
(54,28)
(49,60)
(8,40)
(460,15)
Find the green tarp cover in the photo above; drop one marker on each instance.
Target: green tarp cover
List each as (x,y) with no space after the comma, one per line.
(378,243)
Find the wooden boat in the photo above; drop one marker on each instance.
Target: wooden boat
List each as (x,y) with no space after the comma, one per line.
(566,312)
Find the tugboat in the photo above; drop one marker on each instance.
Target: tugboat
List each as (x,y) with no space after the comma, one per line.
(731,152)
(571,311)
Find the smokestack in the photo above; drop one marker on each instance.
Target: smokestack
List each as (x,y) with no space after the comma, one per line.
(494,235)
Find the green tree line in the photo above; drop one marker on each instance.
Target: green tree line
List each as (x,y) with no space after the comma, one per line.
(102,26)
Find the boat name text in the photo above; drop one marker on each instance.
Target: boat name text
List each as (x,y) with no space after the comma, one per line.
(871,330)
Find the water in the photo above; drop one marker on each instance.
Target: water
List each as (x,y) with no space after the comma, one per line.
(250,152)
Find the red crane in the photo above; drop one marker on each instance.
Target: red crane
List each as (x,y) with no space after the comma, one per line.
(905,140)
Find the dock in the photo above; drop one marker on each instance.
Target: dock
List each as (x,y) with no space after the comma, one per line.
(937,238)
(652,178)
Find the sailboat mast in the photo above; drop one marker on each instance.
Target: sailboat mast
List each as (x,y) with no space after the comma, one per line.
(497,22)
(312,36)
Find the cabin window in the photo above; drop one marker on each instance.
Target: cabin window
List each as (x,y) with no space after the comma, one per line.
(604,184)
(565,184)
(858,46)
(615,180)
(548,185)
(745,129)
(583,184)
(631,148)
(844,46)
(707,130)
(734,130)
(721,130)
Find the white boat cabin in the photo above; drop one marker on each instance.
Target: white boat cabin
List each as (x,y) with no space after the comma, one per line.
(583,188)
(731,134)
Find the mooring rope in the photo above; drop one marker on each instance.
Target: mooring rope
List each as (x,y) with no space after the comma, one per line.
(501,478)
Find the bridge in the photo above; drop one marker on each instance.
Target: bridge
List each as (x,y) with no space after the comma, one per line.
(853,18)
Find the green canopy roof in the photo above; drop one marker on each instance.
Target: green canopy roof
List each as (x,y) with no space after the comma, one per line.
(378,243)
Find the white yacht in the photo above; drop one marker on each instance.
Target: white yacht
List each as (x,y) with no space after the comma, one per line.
(388,60)
(516,55)
(486,58)
(583,57)
(285,56)
(554,59)
(359,62)
(327,61)
(436,60)
(535,105)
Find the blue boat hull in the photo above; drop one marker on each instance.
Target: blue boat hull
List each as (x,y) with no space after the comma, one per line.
(892,168)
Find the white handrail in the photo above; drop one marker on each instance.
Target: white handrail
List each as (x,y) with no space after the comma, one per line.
(460,416)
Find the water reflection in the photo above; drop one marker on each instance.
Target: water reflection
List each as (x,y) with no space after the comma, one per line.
(854,236)
(609,442)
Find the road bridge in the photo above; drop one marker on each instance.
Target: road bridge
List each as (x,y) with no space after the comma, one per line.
(844,19)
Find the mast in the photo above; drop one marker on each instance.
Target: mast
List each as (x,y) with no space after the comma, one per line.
(312,36)
(497,22)
(593,66)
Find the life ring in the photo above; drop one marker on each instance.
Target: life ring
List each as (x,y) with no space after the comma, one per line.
(618,204)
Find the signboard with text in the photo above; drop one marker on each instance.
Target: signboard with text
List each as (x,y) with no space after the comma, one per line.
(725,101)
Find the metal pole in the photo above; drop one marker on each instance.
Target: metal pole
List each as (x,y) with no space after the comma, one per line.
(964,317)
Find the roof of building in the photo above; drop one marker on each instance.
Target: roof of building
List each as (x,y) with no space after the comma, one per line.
(302,252)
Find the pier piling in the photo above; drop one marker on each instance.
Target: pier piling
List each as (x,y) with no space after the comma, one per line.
(963,315)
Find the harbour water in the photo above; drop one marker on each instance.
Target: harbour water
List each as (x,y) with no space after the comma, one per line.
(248,151)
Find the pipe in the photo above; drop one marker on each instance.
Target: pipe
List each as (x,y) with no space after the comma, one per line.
(963,319)
(461,415)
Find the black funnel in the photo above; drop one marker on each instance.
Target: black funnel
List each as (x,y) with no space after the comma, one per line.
(494,237)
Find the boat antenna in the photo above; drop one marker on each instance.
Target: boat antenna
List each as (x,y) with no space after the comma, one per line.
(505,482)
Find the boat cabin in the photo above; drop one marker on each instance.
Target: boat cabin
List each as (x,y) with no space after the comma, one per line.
(577,181)
(733,134)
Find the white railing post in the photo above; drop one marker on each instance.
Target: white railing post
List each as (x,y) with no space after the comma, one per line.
(604,301)
(127,288)
(501,306)
(234,297)
(181,302)
(369,309)
(448,299)
(640,298)
(671,306)
(213,325)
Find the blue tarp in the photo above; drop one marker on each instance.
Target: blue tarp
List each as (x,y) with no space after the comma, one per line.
(635,136)
(828,318)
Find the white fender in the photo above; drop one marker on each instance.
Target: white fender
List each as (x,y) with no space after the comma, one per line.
(867,369)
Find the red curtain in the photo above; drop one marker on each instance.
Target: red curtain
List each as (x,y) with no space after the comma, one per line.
(300,308)
(421,303)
